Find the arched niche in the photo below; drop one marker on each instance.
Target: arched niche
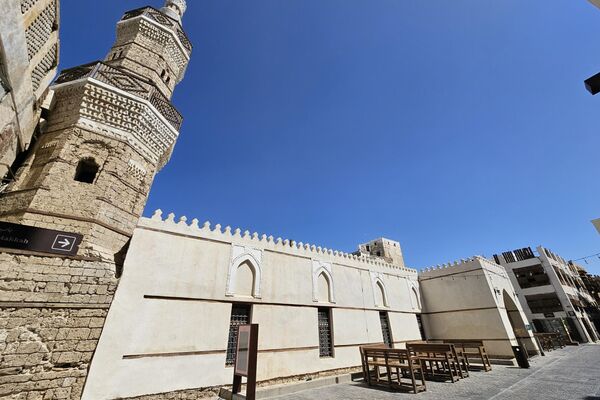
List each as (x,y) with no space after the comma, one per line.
(245,278)
(245,272)
(415,298)
(323,287)
(380,294)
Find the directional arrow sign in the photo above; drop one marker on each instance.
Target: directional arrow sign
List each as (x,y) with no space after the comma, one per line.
(63,242)
(40,240)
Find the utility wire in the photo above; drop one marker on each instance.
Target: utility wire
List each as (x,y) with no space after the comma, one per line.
(586,258)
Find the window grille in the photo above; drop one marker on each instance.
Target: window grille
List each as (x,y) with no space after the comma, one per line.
(325,342)
(421,328)
(240,315)
(385,328)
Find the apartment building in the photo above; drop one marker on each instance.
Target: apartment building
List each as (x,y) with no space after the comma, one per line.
(551,292)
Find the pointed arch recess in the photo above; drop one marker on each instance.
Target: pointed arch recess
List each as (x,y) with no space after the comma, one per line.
(321,268)
(415,298)
(379,288)
(252,258)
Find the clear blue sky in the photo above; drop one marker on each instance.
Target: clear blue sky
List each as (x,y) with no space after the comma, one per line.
(455,127)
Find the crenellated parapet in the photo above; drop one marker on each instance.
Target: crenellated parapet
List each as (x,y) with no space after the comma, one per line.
(268,242)
(459,265)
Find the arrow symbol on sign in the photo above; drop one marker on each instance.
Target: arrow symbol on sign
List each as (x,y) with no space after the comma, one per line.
(64,243)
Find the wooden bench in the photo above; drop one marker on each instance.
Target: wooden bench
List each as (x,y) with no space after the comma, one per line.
(439,359)
(400,368)
(472,349)
(367,372)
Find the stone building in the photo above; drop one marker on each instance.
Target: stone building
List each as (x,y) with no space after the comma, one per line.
(178,313)
(382,248)
(551,292)
(29,49)
(80,158)
(109,130)
(474,299)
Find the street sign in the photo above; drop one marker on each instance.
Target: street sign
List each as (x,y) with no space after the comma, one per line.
(41,240)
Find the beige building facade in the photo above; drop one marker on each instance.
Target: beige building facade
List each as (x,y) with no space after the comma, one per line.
(186,287)
(474,299)
(551,292)
(150,306)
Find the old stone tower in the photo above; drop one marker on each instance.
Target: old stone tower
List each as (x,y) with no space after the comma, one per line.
(111,128)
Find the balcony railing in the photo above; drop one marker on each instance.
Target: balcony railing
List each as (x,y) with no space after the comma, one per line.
(126,82)
(163,20)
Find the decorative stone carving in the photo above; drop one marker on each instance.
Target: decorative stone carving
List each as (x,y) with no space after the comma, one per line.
(136,170)
(163,20)
(167,42)
(46,64)
(318,268)
(240,255)
(126,118)
(38,32)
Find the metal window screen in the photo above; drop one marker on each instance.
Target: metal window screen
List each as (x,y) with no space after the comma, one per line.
(240,315)
(385,328)
(325,344)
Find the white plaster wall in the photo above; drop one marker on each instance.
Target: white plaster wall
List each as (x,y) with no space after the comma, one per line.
(168,325)
(465,301)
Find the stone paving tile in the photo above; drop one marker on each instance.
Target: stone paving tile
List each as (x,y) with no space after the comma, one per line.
(565,374)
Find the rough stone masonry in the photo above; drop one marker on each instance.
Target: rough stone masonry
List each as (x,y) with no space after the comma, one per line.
(110,129)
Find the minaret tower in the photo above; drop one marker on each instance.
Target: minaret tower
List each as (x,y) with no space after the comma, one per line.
(110,129)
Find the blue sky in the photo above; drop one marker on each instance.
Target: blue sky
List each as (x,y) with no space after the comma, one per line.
(455,127)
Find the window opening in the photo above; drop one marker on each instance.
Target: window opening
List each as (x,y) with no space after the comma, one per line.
(240,315)
(385,328)
(325,342)
(86,171)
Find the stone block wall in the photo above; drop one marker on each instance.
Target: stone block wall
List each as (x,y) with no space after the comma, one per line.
(52,312)
(105,212)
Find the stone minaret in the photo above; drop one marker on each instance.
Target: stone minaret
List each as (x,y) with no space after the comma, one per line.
(111,127)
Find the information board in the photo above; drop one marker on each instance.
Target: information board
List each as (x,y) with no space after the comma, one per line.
(245,360)
(243,348)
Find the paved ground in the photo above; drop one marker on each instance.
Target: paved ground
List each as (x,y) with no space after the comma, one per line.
(569,373)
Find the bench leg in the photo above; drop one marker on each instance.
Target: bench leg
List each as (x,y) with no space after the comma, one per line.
(413,380)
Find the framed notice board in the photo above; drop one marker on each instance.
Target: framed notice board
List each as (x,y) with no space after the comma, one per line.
(245,360)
